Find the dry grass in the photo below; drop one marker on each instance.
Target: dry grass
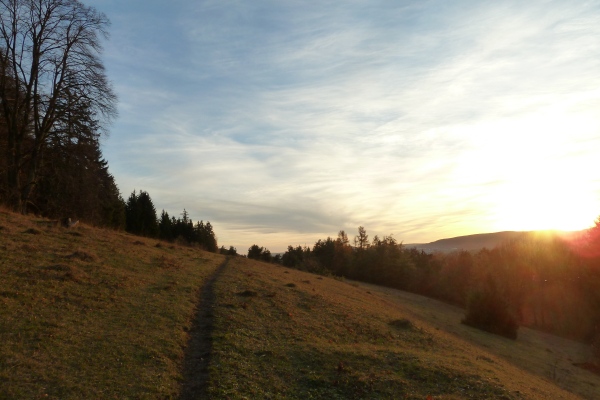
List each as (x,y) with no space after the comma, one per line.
(86,313)
(547,356)
(301,336)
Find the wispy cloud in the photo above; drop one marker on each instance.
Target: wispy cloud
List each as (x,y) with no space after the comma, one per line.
(278,121)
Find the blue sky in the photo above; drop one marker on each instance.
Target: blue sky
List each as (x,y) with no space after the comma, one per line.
(283,122)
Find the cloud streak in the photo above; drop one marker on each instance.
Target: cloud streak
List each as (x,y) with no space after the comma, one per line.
(282,123)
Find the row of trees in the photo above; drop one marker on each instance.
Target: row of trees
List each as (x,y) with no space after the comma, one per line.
(539,281)
(183,228)
(141,219)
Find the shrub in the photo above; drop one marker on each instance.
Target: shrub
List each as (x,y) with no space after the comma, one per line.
(487,310)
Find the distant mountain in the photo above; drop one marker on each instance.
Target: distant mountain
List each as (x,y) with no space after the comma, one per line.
(479,241)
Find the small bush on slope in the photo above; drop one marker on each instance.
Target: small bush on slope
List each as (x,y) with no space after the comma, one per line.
(487,310)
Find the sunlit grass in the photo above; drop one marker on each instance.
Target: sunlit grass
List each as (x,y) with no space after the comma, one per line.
(87,313)
(303,336)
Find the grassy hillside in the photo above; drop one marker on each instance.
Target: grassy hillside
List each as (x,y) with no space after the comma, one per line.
(88,313)
(283,333)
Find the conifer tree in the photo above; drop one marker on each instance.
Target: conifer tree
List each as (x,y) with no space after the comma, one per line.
(165,228)
(141,215)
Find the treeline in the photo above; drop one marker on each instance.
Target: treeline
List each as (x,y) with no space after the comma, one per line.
(141,219)
(538,281)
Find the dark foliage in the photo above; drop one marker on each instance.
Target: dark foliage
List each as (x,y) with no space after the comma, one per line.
(205,236)
(295,257)
(53,93)
(539,281)
(165,227)
(183,229)
(76,183)
(141,215)
(232,251)
(488,310)
(259,253)
(73,179)
(53,114)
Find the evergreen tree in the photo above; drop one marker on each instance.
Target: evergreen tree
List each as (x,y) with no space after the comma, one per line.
(208,238)
(75,182)
(184,228)
(165,227)
(141,215)
(132,216)
(324,252)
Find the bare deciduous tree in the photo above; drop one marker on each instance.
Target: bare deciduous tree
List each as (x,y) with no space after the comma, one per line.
(49,64)
(361,241)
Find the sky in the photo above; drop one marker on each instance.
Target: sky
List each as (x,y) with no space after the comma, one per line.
(284,122)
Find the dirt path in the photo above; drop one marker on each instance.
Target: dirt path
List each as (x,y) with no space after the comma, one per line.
(199,348)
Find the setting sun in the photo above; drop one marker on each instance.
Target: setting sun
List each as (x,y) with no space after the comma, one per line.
(533,172)
(543,208)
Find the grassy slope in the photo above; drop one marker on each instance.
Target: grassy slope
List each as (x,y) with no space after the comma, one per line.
(287,334)
(87,313)
(548,356)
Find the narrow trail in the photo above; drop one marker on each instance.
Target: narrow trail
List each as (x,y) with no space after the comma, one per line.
(199,348)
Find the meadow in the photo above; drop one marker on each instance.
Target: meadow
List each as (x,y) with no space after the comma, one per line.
(93,313)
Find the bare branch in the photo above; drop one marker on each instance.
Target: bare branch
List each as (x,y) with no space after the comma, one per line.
(50,60)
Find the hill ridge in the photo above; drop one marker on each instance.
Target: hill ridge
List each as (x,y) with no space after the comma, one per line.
(478,241)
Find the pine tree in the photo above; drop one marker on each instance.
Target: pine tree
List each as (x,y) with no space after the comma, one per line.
(141,215)
(165,227)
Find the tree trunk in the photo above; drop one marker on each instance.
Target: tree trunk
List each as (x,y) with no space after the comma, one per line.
(13,155)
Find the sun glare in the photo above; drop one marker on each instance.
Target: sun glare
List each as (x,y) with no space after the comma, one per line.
(544,204)
(535,169)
